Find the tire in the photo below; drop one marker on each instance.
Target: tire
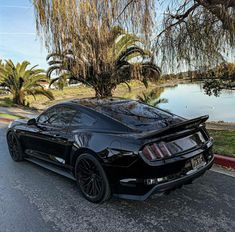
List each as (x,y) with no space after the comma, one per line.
(91,179)
(14,147)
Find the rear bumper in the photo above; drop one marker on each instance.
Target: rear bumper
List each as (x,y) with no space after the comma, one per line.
(169,185)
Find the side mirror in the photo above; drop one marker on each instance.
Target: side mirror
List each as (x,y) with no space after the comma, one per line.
(32,121)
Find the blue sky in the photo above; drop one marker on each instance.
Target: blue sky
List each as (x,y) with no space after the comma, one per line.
(18,39)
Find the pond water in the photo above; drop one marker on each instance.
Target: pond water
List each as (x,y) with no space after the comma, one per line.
(189,100)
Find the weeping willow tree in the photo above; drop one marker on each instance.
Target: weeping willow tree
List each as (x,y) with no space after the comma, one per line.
(88,28)
(197,35)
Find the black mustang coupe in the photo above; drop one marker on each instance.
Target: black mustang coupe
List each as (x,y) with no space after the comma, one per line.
(114,147)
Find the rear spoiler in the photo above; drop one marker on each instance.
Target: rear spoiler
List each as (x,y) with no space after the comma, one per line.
(187,124)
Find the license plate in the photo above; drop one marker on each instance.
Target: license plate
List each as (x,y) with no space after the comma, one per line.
(197,161)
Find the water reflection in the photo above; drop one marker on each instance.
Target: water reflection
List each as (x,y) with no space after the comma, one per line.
(152,97)
(189,100)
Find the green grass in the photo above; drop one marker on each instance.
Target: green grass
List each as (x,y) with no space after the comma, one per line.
(10,116)
(224,142)
(6,101)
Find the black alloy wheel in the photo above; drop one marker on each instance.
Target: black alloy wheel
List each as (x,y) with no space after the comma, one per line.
(14,147)
(92,179)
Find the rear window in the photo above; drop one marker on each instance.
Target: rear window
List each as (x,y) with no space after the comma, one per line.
(137,115)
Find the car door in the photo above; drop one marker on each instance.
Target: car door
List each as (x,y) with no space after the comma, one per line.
(51,142)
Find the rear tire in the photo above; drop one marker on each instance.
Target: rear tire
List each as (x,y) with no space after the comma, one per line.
(91,179)
(14,147)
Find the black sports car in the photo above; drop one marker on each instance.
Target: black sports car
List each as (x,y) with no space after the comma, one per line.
(114,147)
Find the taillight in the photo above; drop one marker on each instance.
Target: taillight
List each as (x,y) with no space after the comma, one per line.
(155,151)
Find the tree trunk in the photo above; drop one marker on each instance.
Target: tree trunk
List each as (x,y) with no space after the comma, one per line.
(19,98)
(104,86)
(103,92)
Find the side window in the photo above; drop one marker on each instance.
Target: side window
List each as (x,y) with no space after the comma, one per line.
(48,116)
(64,116)
(58,116)
(82,119)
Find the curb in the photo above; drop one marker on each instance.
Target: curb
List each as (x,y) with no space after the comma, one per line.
(225,161)
(6,120)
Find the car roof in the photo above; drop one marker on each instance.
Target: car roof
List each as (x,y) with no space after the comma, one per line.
(93,102)
(130,113)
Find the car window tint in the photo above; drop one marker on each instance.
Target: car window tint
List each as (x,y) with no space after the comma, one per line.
(82,119)
(64,116)
(46,116)
(59,116)
(135,114)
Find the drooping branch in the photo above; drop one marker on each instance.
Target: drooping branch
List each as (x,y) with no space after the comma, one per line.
(180,19)
(198,34)
(220,10)
(125,7)
(186,14)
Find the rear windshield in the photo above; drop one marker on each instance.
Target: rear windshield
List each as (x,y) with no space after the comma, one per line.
(137,115)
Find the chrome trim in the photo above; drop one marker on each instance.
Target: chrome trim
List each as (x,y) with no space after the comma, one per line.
(128,180)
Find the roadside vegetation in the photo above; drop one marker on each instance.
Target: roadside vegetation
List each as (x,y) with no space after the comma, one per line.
(21,81)
(224,142)
(82,91)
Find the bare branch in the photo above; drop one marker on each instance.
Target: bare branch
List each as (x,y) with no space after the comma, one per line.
(218,8)
(186,14)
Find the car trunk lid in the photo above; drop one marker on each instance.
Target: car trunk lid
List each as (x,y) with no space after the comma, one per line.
(174,140)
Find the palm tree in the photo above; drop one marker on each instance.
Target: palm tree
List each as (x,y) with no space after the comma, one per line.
(62,64)
(153,97)
(20,81)
(124,59)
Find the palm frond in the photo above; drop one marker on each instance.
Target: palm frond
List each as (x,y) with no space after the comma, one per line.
(41,91)
(54,55)
(130,51)
(23,67)
(128,86)
(126,41)
(53,62)
(51,69)
(150,71)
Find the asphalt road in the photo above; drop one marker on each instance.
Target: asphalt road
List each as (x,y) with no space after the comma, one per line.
(34,199)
